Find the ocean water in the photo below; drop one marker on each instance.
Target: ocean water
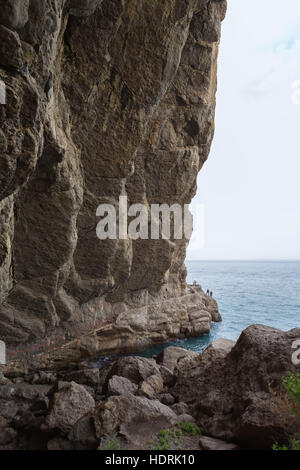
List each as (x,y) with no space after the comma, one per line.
(248,292)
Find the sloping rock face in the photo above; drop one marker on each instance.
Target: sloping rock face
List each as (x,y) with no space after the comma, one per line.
(233,390)
(104,98)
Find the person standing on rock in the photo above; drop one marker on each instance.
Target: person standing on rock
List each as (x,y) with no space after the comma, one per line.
(207,292)
(211,293)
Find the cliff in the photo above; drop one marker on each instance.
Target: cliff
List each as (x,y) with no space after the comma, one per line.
(103,98)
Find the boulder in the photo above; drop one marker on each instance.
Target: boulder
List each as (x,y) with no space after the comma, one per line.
(11,53)
(167,399)
(233,390)
(135,418)
(217,349)
(16,399)
(134,368)
(83,434)
(170,356)
(14,13)
(209,443)
(43,377)
(199,321)
(4,380)
(167,376)
(89,377)
(121,386)
(151,387)
(69,404)
(186,418)
(180,408)
(7,435)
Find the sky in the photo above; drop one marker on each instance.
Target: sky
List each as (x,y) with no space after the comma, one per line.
(249,188)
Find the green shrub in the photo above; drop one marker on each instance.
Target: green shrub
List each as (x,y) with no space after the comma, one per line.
(292,386)
(294,444)
(112,445)
(171,438)
(278,447)
(190,429)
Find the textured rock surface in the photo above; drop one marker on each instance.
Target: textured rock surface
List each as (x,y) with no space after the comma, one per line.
(104,97)
(137,413)
(121,386)
(209,443)
(232,391)
(70,403)
(170,357)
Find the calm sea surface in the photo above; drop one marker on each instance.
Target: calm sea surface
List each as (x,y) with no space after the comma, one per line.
(247,292)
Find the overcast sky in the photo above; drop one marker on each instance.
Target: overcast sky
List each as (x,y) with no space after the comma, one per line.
(250,185)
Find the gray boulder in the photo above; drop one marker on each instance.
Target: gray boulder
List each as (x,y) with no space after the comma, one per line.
(170,356)
(69,404)
(121,386)
(137,419)
(136,369)
(11,53)
(233,390)
(152,386)
(14,13)
(209,443)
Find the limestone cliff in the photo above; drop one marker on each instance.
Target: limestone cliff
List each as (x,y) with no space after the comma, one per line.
(103,97)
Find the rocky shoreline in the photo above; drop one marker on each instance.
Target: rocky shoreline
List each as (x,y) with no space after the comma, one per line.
(121,331)
(229,394)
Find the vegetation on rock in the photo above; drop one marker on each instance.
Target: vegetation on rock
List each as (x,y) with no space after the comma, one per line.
(291,404)
(172,438)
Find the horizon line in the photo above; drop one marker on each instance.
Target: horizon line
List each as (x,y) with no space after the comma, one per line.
(248,259)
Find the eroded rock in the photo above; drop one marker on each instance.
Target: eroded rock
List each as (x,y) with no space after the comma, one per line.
(14,13)
(232,389)
(121,386)
(209,443)
(70,403)
(136,369)
(170,356)
(11,53)
(137,419)
(151,387)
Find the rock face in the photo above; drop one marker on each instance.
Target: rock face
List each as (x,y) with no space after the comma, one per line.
(104,98)
(232,389)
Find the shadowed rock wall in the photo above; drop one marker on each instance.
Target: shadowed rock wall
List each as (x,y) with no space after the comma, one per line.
(104,97)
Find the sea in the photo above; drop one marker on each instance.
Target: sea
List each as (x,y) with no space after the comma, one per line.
(247,292)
